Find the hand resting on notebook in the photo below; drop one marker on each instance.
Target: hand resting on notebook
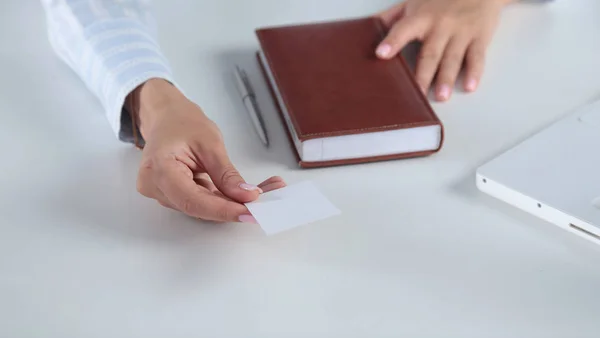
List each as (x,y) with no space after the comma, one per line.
(184,163)
(453,32)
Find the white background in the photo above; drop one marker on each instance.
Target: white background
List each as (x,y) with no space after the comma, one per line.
(417,252)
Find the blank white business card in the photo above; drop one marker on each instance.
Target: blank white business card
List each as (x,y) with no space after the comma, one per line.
(292,206)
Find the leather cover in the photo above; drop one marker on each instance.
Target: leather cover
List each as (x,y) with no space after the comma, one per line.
(333,84)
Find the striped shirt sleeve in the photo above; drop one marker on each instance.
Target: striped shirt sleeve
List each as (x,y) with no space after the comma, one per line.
(111,45)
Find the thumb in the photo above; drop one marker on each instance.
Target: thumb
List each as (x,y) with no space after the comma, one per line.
(228,180)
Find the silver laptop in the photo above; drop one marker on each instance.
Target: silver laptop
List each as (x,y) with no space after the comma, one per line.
(554,175)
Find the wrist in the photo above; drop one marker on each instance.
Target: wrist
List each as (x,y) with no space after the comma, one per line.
(150,102)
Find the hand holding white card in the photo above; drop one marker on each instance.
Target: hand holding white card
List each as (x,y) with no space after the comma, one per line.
(289,207)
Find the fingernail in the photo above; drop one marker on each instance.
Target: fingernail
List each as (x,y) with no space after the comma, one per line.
(248,219)
(444,92)
(384,50)
(250,187)
(471,85)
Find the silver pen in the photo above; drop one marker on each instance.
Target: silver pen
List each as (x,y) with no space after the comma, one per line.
(249,100)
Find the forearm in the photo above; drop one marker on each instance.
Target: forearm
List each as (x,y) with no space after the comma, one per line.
(110,44)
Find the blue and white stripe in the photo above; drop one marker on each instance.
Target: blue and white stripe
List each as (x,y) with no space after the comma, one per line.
(111,45)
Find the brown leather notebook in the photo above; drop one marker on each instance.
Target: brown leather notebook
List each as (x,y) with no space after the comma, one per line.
(339,102)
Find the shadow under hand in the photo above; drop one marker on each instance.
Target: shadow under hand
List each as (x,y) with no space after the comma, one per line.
(102,206)
(411,54)
(108,204)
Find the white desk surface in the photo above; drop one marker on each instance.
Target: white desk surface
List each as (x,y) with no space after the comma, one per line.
(417,252)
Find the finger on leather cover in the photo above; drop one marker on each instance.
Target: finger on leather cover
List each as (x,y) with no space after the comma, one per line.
(401,33)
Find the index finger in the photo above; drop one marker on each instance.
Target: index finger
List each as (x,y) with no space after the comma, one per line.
(402,33)
(188,197)
(393,14)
